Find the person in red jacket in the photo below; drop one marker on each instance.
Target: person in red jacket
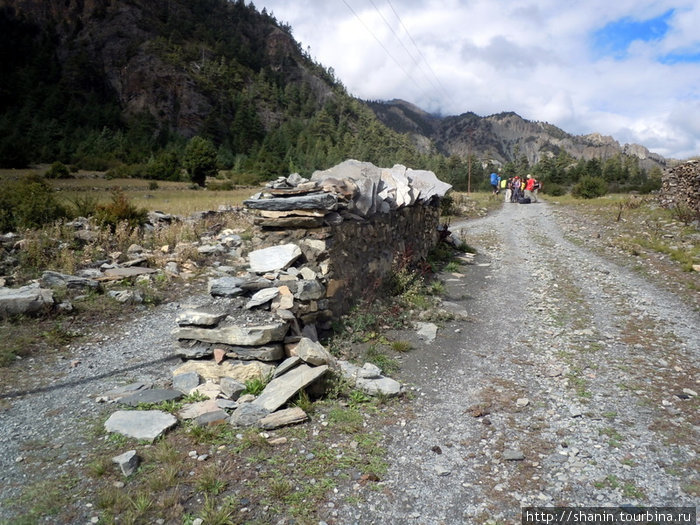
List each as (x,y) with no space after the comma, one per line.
(530,190)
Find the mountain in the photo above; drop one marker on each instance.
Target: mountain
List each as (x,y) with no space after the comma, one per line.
(105,83)
(503,137)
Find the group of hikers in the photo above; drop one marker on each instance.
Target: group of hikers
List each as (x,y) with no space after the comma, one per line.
(523,191)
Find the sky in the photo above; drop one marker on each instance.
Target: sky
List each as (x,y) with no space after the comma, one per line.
(625,68)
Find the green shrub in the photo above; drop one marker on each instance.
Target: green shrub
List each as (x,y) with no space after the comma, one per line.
(85,205)
(28,203)
(554,189)
(590,188)
(120,210)
(58,170)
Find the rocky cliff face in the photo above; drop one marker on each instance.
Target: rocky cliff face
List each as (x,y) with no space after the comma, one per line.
(499,137)
(128,46)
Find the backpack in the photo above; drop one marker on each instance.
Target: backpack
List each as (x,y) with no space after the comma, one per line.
(504,183)
(524,200)
(537,185)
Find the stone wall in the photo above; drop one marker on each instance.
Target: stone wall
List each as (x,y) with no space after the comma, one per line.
(681,186)
(351,223)
(362,253)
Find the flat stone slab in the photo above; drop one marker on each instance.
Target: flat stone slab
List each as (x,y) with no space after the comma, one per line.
(316,201)
(273,258)
(152,396)
(114,274)
(283,418)
(202,317)
(73,282)
(236,370)
(237,335)
(261,297)
(283,388)
(140,424)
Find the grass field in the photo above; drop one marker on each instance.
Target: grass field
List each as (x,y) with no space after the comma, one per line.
(177,198)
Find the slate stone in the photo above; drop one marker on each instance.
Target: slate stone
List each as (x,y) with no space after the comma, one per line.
(273,258)
(140,424)
(283,388)
(186,382)
(247,415)
(283,418)
(231,388)
(152,396)
(28,299)
(309,290)
(200,317)
(240,371)
(72,282)
(314,201)
(286,365)
(128,462)
(385,386)
(216,417)
(225,286)
(237,335)
(115,274)
(194,410)
(313,353)
(295,222)
(266,353)
(261,297)
(126,390)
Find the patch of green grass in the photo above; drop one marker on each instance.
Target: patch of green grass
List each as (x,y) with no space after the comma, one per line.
(210,481)
(219,511)
(346,419)
(375,356)
(452,267)
(401,346)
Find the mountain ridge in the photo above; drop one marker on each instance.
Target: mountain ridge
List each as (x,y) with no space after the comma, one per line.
(502,137)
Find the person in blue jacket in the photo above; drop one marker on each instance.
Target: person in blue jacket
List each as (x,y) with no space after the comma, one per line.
(495,181)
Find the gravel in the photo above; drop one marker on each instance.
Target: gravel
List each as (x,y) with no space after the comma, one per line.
(602,357)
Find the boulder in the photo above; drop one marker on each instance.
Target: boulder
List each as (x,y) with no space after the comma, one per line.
(225,286)
(28,299)
(283,418)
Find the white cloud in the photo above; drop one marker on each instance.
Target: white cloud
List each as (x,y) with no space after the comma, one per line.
(533,57)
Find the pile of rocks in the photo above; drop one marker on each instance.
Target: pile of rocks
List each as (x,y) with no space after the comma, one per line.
(681,186)
(107,270)
(352,190)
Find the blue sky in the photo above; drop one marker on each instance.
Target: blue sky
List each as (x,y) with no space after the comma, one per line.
(629,68)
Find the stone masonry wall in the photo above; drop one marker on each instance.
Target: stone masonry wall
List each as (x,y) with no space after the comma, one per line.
(362,253)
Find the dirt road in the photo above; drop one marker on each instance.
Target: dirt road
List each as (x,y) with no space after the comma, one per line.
(573,382)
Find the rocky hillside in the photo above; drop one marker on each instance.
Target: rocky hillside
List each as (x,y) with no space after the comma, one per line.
(504,136)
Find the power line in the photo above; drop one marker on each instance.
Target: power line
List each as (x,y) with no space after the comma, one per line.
(415,60)
(382,45)
(418,50)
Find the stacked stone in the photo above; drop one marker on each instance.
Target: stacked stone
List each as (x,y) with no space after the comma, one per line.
(681,186)
(352,190)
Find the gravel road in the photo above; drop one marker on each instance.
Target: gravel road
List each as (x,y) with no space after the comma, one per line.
(572,383)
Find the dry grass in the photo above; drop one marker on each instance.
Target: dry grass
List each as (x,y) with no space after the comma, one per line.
(178,198)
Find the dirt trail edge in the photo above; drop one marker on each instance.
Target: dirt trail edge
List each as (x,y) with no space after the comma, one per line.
(572,382)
